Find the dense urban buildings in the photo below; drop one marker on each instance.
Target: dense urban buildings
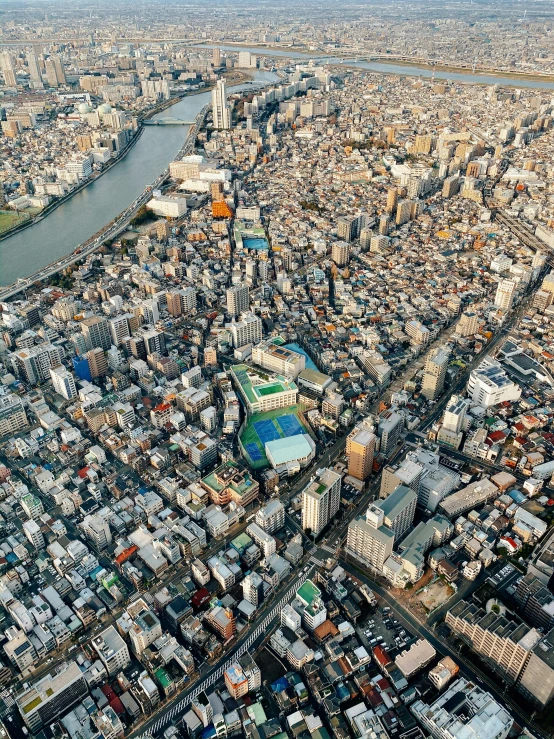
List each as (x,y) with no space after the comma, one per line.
(277,421)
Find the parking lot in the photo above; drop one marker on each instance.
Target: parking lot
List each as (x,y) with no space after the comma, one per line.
(382,628)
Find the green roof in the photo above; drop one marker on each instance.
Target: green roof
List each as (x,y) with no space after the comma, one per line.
(308,592)
(32,704)
(163,678)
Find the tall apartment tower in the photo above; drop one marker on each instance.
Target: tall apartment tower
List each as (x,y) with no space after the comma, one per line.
(320,500)
(221,111)
(392,200)
(96,331)
(34,69)
(216,57)
(97,362)
(468,325)
(360,448)
(436,365)
(7,69)
(238,299)
(369,539)
(504,297)
(340,253)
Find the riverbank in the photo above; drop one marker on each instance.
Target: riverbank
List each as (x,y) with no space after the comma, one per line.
(233,77)
(338,55)
(60,201)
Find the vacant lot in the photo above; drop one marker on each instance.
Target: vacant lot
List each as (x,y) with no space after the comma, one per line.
(434,595)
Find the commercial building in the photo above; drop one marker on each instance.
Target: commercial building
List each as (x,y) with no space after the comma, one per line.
(320,500)
(360,448)
(52,697)
(464,710)
(490,385)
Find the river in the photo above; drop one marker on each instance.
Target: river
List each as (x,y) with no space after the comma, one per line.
(89,210)
(401,69)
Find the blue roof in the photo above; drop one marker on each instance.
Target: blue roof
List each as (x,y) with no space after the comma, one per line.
(281,684)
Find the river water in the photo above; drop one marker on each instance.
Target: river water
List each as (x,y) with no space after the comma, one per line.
(89,210)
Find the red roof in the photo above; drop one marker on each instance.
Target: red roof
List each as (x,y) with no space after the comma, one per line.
(497,436)
(199,598)
(381,656)
(117,706)
(83,473)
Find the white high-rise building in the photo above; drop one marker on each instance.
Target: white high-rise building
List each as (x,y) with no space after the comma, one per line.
(320,500)
(504,297)
(238,299)
(246,331)
(221,112)
(436,366)
(63,382)
(489,384)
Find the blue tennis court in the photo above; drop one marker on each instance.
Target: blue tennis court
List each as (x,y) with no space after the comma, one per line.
(253,452)
(266,431)
(290,425)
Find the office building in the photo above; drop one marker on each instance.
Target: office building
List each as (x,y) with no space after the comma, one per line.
(248,330)
(388,431)
(63,382)
(221,112)
(12,415)
(238,299)
(464,710)
(320,500)
(52,697)
(54,71)
(490,385)
(360,448)
(434,374)
(112,651)
(505,293)
(369,540)
(96,331)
